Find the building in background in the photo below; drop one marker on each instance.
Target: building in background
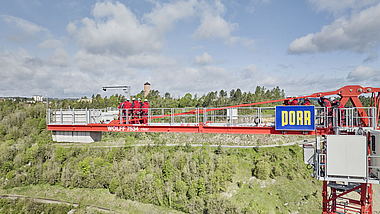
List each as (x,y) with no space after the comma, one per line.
(38,98)
(146,89)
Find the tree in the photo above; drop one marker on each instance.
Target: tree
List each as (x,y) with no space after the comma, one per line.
(60,154)
(114,184)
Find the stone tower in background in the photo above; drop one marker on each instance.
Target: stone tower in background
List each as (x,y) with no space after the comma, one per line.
(146,89)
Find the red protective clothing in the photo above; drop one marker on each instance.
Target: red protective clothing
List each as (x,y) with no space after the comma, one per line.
(286,102)
(127,105)
(136,106)
(120,105)
(294,102)
(306,102)
(145,107)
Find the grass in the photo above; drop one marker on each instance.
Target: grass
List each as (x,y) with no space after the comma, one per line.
(92,197)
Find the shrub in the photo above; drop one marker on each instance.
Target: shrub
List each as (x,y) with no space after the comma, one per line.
(262,170)
(10,175)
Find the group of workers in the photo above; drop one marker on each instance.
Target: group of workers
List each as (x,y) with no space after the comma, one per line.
(135,112)
(323,102)
(295,102)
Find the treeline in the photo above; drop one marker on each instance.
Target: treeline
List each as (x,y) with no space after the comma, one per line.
(156,100)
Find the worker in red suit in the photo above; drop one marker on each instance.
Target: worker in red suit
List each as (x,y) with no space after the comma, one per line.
(145,109)
(287,102)
(306,102)
(127,110)
(324,102)
(136,111)
(294,102)
(340,113)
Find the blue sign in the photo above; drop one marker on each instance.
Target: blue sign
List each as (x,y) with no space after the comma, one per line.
(300,118)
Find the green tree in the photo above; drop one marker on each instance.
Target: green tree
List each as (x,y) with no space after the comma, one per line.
(114,184)
(60,154)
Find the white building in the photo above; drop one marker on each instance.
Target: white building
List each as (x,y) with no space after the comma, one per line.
(38,98)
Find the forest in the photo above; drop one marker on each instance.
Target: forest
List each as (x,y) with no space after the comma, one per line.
(183,178)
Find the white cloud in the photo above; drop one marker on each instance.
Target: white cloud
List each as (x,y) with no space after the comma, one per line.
(249,71)
(214,26)
(114,30)
(143,61)
(338,6)
(28,29)
(165,16)
(360,33)
(205,59)
(179,80)
(25,25)
(363,73)
(51,44)
(59,58)
(94,63)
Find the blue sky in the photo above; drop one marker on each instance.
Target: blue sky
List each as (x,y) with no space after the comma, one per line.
(74,48)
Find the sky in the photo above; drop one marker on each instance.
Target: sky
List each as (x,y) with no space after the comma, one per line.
(74,48)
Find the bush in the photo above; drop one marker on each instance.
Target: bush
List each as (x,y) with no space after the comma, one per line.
(10,175)
(114,185)
(262,170)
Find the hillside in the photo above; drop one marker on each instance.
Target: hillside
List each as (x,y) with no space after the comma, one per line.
(143,172)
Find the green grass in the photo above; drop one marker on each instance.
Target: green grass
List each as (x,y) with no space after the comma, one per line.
(95,197)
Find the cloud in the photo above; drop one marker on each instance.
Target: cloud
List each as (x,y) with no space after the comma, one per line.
(249,71)
(358,34)
(214,26)
(373,56)
(94,63)
(29,30)
(165,16)
(114,30)
(205,59)
(144,61)
(59,58)
(24,25)
(180,80)
(339,6)
(363,73)
(51,44)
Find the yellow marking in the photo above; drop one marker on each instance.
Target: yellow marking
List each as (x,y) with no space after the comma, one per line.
(299,117)
(307,118)
(284,118)
(292,117)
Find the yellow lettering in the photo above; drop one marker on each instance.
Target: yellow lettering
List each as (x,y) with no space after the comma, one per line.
(284,118)
(292,117)
(307,118)
(299,117)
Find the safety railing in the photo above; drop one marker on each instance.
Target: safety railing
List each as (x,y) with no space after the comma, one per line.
(243,116)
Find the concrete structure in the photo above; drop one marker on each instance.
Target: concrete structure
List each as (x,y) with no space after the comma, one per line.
(75,136)
(146,89)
